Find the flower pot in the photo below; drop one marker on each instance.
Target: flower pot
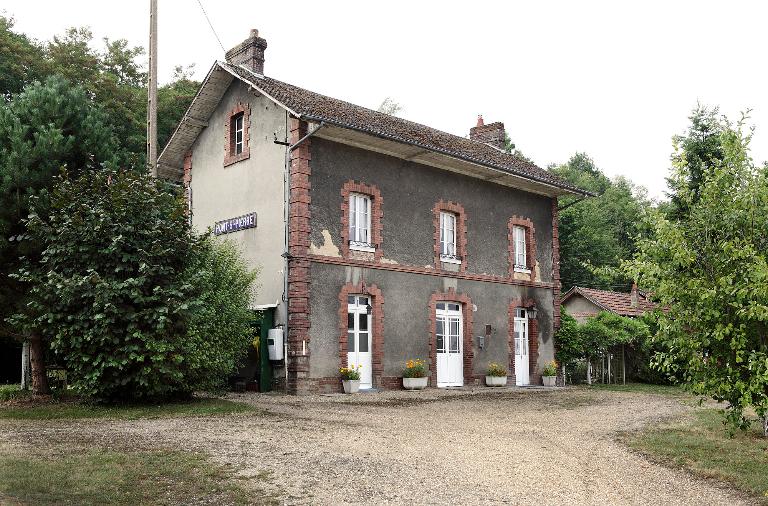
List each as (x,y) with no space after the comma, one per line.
(495,381)
(415,383)
(351,386)
(549,381)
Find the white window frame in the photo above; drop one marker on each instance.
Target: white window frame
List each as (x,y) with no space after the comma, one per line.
(520,249)
(448,249)
(239,121)
(360,237)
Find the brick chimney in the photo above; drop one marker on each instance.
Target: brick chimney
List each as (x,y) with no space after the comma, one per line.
(249,53)
(492,133)
(633,300)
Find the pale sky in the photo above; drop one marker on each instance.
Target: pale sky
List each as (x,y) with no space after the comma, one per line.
(613,79)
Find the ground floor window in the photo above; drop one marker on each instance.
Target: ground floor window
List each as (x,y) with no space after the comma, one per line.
(359,342)
(449,344)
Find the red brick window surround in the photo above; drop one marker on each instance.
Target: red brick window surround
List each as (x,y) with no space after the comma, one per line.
(373,214)
(237,134)
(466,309)
(377,317)
(533,340)
(450,218)
(515,224)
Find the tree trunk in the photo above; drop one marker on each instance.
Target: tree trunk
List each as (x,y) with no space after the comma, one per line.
(37,359)
(765,425)
(25,366)
(589,372)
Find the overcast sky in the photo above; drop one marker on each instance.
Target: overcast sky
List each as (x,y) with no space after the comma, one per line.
(613,79)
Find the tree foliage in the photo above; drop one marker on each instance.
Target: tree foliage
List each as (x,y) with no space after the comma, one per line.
(711,269)
(113,289)
(46,127)
(598,233)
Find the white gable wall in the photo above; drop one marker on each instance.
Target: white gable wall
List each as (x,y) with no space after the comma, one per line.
(251,185)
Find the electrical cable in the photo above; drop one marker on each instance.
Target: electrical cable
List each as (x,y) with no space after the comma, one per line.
(211,25)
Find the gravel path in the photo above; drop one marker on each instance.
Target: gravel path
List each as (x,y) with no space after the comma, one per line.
(480,446)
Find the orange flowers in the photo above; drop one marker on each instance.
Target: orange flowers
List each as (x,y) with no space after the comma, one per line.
(415,369)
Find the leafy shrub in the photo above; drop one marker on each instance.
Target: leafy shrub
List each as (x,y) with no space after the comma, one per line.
(495,369)
(415,369)
(122,285)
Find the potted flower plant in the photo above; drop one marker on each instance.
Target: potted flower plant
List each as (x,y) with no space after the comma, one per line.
(496,375)
(549,374)
(350,378)
(415,375)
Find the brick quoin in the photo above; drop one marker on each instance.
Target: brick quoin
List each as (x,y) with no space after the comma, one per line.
(530,245)
(556,290)
(377,338)
(298,263)
(461,231)
(469,353)
(533,341)
(376,216)
(229,139)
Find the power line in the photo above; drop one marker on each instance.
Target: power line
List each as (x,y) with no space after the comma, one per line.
(211,25)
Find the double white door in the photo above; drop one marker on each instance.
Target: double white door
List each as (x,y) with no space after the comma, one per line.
(359,342)
(449,344)
(522,373)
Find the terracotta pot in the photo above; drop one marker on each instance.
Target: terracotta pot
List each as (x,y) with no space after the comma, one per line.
(415,383)
(351,386)
(495,381)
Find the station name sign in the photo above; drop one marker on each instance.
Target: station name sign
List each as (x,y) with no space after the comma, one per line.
(235,224)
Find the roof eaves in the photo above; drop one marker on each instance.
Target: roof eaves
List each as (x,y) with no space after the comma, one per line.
(224,65)
(505,170)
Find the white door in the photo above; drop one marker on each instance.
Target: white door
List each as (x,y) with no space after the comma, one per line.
(359,337)
(522,373)
(449,344)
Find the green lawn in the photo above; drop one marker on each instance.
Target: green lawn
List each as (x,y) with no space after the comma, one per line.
(70,409)
(112,477)
(702,445)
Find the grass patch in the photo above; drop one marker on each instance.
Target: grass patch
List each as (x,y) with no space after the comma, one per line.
(13,392)
(702,445)
(643,388)
(110,477)
(53,410)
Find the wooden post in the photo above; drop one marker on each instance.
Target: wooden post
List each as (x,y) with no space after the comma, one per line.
(623,366)
(152,91)
(610,357)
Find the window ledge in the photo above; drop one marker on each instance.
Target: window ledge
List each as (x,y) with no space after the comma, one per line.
(357,247)
(524,270)
(450,260)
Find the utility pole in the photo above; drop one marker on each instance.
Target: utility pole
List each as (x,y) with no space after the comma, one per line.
(152,95)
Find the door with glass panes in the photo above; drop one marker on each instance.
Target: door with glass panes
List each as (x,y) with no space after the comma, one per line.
(449,345)
(522,373)
(359,337)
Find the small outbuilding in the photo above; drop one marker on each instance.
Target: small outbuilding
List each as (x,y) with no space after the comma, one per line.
(584,303)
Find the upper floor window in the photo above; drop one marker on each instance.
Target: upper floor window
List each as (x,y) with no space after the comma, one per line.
(520,248)
(360,222)
(237,136)
(237,132)
(448,250)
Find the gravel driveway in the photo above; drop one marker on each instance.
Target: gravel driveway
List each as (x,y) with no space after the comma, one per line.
(482,446)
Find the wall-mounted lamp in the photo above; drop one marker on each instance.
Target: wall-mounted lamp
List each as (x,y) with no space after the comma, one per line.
(532,311)
(369,309)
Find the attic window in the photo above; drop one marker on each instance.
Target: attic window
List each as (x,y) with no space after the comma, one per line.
(237,135)
(237,131)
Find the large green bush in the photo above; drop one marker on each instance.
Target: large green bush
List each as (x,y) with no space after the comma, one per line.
(125,290)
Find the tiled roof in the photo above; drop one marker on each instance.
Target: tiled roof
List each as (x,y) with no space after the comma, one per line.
(616,302)
(317,107)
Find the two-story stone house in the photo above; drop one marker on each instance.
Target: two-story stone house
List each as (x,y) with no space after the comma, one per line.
(378,239)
